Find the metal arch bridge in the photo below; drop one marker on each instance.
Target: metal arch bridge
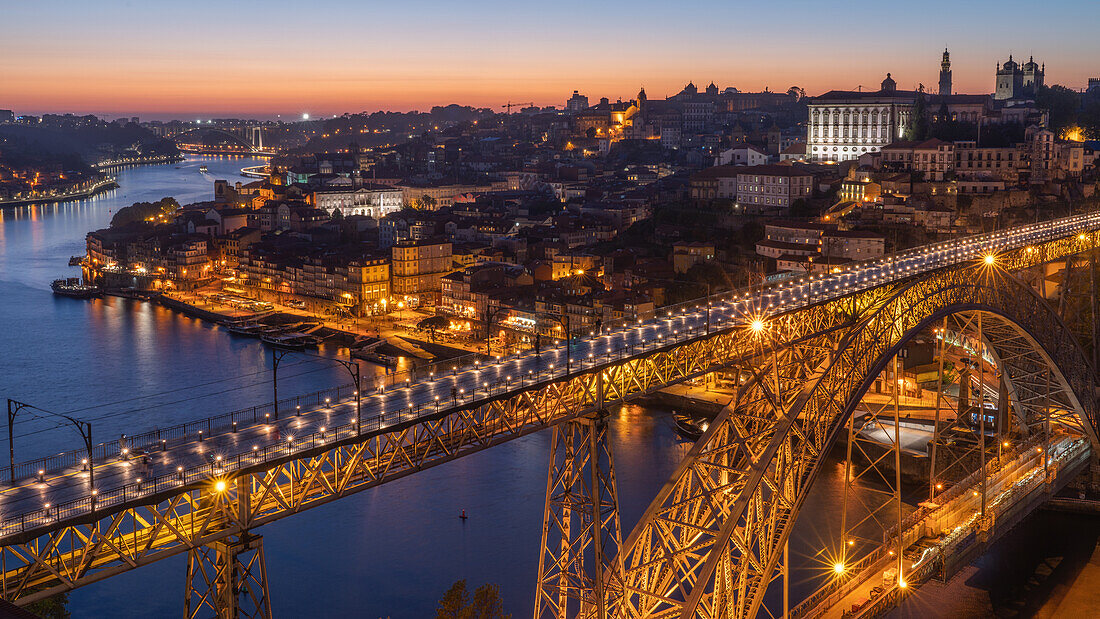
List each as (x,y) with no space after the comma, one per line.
(238,145)
(711,542)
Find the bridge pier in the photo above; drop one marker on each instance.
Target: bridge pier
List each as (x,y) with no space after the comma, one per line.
(581,533)
(229,579)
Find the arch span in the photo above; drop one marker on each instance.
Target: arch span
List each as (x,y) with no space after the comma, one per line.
(709,543)
(202,132)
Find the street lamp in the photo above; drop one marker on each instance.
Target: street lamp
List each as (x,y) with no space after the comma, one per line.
(489,330)
(351,366)
(83,427)
(563,320)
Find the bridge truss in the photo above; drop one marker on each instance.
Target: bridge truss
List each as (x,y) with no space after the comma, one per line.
(711,542)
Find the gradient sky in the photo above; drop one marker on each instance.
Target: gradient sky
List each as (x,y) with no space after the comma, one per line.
(201,58)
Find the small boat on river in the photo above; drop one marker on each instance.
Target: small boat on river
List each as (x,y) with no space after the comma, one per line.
(72,287)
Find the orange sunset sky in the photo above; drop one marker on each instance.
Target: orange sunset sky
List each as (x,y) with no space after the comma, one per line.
(263,59)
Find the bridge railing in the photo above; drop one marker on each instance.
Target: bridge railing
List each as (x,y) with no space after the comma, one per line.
(830,594)
(31,518)
(407,377)
(158,438)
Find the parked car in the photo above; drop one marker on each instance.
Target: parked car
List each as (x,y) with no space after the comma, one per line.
(296,304)
(859,604)
(876,591)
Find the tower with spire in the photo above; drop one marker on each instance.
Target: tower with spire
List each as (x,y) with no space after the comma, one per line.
(945,74)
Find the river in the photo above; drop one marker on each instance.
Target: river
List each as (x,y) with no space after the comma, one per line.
(391,551)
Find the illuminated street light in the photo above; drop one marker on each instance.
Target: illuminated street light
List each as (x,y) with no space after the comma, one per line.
(757,325)
(219,486)
(990,258)
(838,568)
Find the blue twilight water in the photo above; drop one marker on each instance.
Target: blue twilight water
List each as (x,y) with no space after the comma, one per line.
(387,552)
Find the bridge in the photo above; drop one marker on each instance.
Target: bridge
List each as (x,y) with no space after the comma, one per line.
(217,141)
(803,353)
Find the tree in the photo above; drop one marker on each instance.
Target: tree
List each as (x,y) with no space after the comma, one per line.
(453,604)
(486,604)
(433,323)
(53,607)
(917,128)
(1090,117)
(1061,104)
(425,203)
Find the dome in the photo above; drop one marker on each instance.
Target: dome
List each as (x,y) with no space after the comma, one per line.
(1031,66)
(1010,65)
(888,84)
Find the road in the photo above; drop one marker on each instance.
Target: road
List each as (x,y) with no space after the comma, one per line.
(27,500)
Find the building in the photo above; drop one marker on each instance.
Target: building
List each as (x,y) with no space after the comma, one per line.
(807,246)
(945,74)
(715,183)
(933,158)
(1015,81)
(766,188)
(576,103)
(743,155)
(844,125)
(371,200)
(687,255)
(418,270)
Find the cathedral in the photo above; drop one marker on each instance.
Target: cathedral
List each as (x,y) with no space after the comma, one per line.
(1015,81)
(844,125)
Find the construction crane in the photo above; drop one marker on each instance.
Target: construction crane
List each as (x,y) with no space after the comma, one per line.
(508,106)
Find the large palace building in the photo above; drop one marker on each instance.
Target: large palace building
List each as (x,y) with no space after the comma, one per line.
(844,125)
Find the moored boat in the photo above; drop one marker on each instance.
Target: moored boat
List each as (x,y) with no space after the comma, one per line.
(72,287)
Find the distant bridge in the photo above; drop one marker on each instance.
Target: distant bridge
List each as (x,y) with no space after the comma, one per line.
(216,141)
(803,353)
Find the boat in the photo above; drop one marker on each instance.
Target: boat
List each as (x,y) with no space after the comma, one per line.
(72,287)
(248,329)
(283,341)
(202,169)
(293,341)
(690,427)
(374,357)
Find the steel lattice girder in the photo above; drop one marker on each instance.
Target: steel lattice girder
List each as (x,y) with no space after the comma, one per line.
(581,534)
(75,552)
(89,549)
(729,507)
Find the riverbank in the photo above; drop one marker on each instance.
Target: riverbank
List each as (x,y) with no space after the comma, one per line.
(100,187)
(340,333)
(138,161)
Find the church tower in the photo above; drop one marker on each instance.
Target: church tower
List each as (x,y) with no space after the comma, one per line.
(945,74)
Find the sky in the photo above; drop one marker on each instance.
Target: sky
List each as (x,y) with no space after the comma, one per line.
(274,58)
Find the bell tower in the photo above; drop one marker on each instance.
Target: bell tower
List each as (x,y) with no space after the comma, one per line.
(945,74)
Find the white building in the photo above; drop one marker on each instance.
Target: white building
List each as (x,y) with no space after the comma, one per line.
(844,125)
(744,155)
(375,201)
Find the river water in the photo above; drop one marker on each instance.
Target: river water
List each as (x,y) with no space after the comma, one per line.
(391,551)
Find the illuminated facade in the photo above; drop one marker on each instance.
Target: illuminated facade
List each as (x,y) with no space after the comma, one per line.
(844,125)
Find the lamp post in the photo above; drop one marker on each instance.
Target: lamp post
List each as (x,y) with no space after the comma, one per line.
(276,357)
(563,320)
(351,366)
(84,427)
(489,330)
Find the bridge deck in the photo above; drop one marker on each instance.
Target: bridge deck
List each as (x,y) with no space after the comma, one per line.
(25,501)
(933,533)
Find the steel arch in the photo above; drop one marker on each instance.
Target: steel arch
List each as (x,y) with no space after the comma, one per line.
(709,543)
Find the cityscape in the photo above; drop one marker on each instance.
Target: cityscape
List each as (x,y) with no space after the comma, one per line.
(496,312)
